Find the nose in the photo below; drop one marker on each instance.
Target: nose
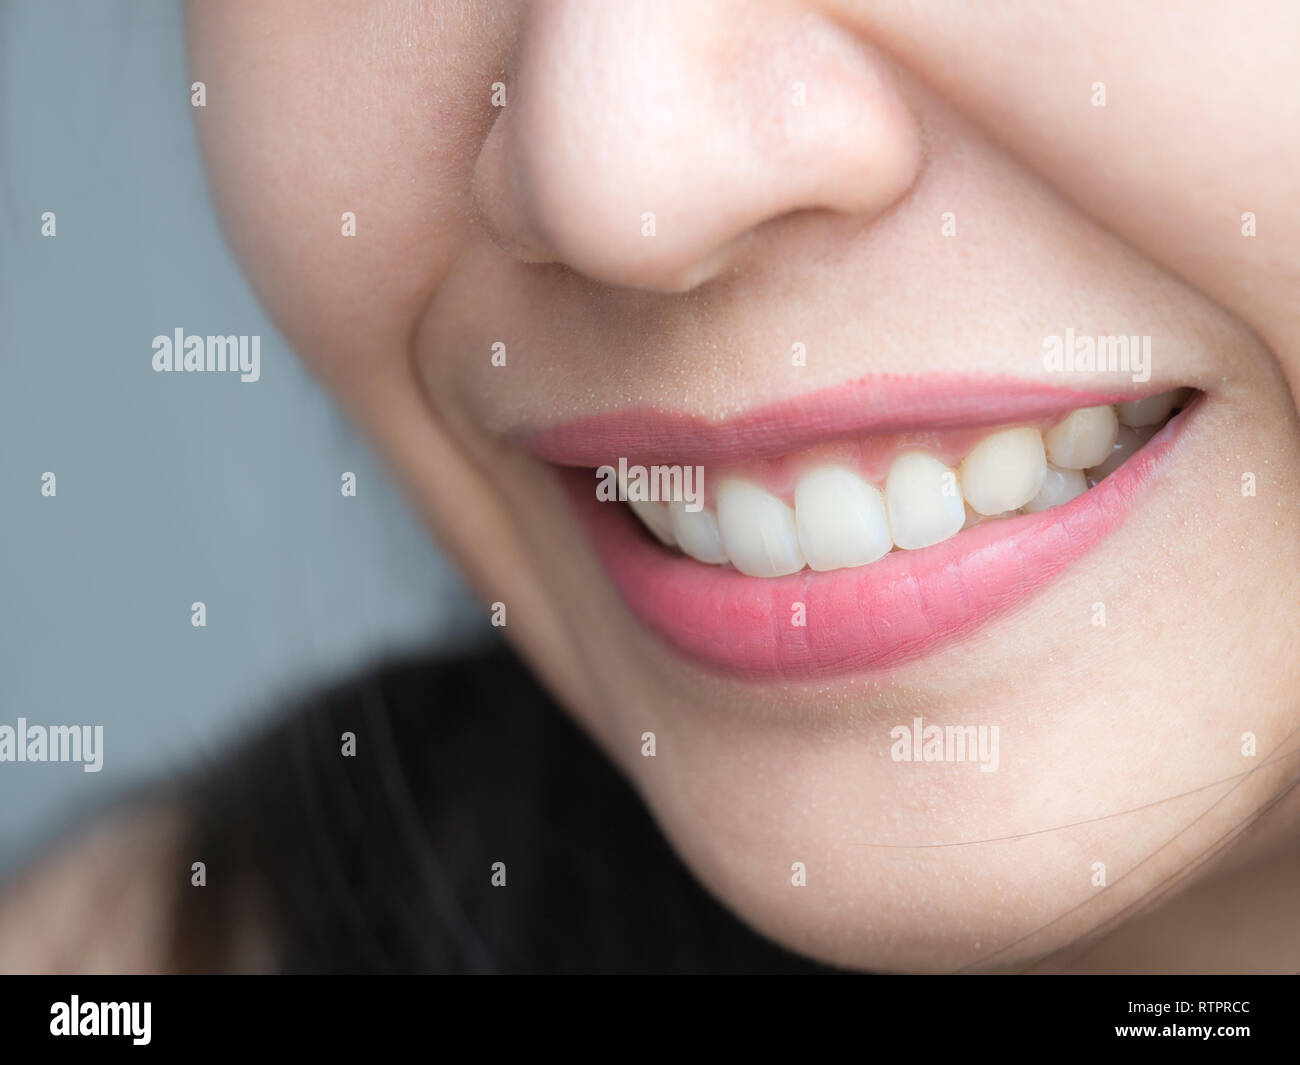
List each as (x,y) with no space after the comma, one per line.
(642,140)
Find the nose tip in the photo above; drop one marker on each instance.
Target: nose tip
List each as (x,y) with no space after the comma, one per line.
(642,140)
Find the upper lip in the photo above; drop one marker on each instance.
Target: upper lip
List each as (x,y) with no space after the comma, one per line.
(874,404)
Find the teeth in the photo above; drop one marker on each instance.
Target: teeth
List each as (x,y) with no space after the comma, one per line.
(1127,442)
(1082,439)
(1004,471)
(697,533)
(758,530)
(925,506)
(1059,486)
(654,516)
(841,519)
(1150,411)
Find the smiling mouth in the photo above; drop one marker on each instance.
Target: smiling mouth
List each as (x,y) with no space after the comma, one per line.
(862,550)
(848,505)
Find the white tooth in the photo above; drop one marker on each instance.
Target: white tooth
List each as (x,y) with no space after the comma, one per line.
(1004,471)
(1082,438)
(1128,441)
(924,501)
(841,519)
(1060,486)
(655,518)
(1150,411)
(697,533)
(758,530)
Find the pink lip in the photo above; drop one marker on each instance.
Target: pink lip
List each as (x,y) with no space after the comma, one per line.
(877,404)
(859,619)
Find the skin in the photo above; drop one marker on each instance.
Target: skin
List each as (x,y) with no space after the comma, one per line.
(1121,744)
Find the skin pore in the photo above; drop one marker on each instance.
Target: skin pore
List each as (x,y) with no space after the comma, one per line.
(1121,744)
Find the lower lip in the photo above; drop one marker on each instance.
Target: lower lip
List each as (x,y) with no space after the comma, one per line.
(862,619)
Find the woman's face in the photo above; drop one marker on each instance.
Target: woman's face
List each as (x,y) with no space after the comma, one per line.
(784,246)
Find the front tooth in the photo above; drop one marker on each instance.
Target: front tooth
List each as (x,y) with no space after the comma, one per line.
(1150,411)
(1060,486)
(758,530)
(924,502)
(1127,442)
(697,533)
(840,518)
(1004,471)
(655,518)
(1081,439)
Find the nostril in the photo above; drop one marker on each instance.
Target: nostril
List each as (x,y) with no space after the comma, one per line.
(641,151)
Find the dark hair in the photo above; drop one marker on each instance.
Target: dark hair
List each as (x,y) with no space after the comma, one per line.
(383,861)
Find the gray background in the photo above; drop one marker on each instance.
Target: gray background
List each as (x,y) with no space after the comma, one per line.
(171,487)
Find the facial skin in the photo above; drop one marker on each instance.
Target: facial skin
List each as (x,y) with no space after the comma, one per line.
(1121,743)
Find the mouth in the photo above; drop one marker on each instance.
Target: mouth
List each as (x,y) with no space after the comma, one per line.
(826,536)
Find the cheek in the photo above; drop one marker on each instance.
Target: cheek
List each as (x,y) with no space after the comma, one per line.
(339,154)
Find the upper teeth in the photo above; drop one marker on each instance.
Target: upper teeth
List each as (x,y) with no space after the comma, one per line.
(1003,471)
(697,532)
(758,530)
(1083,438)
(924,503)
(840,520)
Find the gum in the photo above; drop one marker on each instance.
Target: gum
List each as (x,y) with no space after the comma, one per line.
(870,457)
